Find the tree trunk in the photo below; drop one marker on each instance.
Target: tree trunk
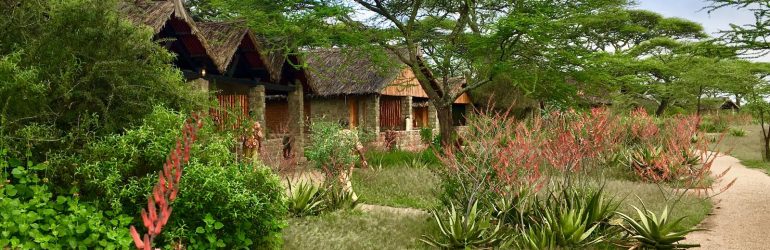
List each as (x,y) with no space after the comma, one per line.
(765,135)
(446,128)
(662,107)
(700,94)
(767,149)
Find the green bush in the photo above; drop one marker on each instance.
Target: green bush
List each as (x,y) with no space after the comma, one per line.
(714,126)
(736,132)
(100,80)
(426,135)
(248,200)
(117,172)
(332,147)
(31,218)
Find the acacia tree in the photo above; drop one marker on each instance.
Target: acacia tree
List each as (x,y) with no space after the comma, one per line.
(473,40)
(618,30)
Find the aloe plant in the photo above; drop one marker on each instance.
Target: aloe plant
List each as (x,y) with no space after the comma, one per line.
(657,232)
(304,200)
(574,217)
(472,229)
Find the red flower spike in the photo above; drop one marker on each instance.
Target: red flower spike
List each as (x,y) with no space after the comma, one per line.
(158,210)
(137,239)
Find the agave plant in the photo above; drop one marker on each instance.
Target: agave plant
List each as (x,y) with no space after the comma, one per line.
(651,231)
(574,217)
(305,199)
(472,229)
(337,197)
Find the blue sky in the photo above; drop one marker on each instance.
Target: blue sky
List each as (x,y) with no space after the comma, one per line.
(692,10)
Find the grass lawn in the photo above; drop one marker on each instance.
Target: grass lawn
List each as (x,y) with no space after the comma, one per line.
(358,230)
(747,148)
(397,187)
(694,208)
(403,185)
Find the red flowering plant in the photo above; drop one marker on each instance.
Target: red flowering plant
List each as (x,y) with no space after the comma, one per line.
(499,157)
(579,142)
(158,210)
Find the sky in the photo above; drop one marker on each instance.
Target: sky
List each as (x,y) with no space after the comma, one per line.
(693,10)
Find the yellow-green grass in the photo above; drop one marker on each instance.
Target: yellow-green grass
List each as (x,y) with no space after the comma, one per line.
(397,187)
(692,207)
(747,148)
(358,230)
(405,186)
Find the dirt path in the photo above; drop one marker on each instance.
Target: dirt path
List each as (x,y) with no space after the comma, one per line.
(741,215)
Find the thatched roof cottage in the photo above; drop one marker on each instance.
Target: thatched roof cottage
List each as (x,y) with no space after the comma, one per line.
(370,92)
(228,59)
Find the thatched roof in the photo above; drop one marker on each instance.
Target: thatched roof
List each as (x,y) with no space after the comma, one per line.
(273,58)
(349,72)
(150,13)
(156,13)
(223,39)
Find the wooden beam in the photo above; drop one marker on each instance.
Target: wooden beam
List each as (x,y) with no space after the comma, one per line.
(268,86)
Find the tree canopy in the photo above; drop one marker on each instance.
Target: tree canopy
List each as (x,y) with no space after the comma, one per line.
(72,70)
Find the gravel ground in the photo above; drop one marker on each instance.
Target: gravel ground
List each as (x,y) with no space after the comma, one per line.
(741,216)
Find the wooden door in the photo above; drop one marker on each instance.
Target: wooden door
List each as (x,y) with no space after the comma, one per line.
(353,112)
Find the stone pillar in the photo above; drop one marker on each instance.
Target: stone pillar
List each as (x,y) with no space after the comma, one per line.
(432,116)
(406,112)
(257,104)
(296,120)
(200,84)
(372,114)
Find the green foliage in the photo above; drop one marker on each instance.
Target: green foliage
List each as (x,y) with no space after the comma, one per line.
(118,172)
(473,228)
(653,231)
(737,132)
(426,135)
(572,217)
(31,217)
(396,158)
(714,126)
(331,147)
(206,237)
(60,89)
(337,197)
(305,199)
(248,199)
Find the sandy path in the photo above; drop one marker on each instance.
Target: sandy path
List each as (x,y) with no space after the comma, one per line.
(741,215)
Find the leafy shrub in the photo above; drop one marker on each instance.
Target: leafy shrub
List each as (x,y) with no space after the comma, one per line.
(718,126)
(248,199)
(31,218)
(737,132)
(98,81)
(332,151)
(651,231)
(426,135)
(118,171)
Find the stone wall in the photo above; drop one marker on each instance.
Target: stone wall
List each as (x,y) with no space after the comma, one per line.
(329,109)
(407,140)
